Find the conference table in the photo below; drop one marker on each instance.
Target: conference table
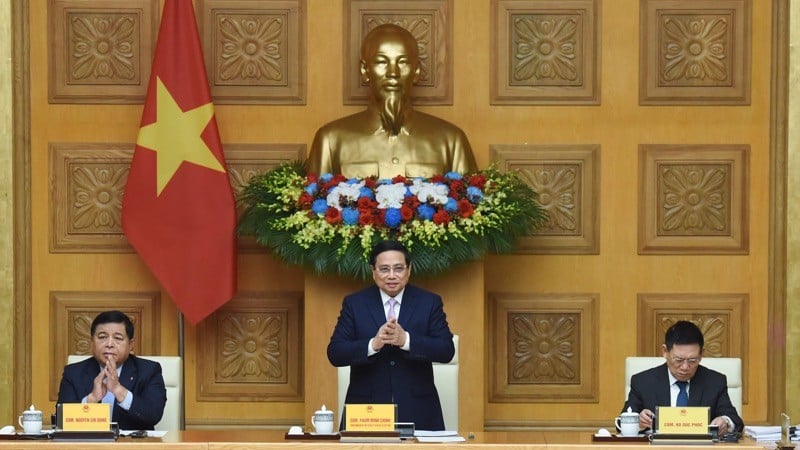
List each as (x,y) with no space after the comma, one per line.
(236,439)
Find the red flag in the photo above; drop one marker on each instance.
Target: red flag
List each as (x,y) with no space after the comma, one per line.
(178,210)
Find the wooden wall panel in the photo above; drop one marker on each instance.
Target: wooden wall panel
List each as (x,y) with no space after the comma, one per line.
(545,53)
(255,50)
(100,51)
(253,349)
(567,179)
(544,348)
(613,269)
(693,199)
(695,52)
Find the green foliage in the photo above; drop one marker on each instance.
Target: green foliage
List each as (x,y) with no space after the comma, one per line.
(295,234)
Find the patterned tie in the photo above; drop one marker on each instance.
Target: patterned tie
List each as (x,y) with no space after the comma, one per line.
(391,314)
(683,397)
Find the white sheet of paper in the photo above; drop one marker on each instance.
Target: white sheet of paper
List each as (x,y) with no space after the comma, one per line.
(440,439)
(429,433)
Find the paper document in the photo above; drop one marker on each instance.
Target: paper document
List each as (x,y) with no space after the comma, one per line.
(428,433)
(440,439)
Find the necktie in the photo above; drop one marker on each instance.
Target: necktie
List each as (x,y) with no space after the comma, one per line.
(391,314)
(683,397)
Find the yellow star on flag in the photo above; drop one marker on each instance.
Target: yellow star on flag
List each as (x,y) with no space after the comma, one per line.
(176,136)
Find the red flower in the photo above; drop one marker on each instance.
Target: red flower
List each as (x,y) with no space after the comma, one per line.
(305,200)
(370,182)
(438,179)
(441,217)
(311,178)
(399,179)
(366,204)
(411,202)
(457,189)
(333,216)
(366,218)
(406,213)
(465,208)
(479,181)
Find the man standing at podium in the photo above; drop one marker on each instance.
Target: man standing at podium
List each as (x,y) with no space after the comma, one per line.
(389,334)
(682,381)
(134,387)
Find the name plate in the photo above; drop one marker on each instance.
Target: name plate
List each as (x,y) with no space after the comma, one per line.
(683,419)
(370,417)
(86,416)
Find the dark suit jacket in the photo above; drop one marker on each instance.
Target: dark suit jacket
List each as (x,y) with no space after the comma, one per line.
(140,376)
(707,388)
(393,375)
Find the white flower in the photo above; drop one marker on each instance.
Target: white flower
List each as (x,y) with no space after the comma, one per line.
(429,192)
(390,195)
(344,193)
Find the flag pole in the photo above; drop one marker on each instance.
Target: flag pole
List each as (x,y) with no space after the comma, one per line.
(183,371)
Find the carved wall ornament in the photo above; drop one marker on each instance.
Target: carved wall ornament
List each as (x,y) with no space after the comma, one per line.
(695,52)
(100,51)
(544,348)
(693,199)
(252,349)
(86,185)
(254,50)
(567,181)
(545,53)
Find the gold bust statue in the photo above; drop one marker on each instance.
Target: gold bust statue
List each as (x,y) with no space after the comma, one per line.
(390,138)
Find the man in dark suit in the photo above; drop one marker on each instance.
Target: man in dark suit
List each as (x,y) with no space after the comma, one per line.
(682,381)
(389,334)
(133,386)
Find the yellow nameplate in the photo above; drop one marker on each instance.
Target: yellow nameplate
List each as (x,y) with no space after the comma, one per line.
(683,419)
(369,417)
(86,417)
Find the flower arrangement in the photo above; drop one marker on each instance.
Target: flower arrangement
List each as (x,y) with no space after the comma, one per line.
(329,223)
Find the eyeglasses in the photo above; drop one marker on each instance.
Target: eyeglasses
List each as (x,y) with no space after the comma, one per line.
(681,361)
(385,271)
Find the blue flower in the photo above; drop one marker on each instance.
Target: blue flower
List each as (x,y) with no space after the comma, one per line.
(452,176)
(426,211)
(312,188)
(451,206)
(320,206)
(366,192)
(474,194)
(393,217)
(350,216)
(325,177)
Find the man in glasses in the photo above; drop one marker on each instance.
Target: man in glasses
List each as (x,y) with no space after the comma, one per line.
(389,334)
(682,381)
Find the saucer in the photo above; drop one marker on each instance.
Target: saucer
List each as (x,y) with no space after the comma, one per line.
(322,434)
